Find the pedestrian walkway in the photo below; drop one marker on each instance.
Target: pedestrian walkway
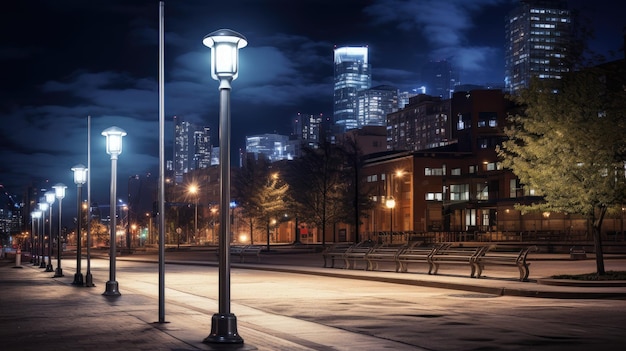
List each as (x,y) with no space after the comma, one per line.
(38,312)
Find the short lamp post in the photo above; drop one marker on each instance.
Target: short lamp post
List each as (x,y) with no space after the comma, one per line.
(80,178)
(225,45)
(59,192)
(193,189)
(114,148)
(390,203)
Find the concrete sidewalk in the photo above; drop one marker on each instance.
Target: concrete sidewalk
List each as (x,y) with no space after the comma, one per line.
(38,312)
(495,280)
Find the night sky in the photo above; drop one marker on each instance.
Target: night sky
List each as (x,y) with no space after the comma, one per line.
(65,60)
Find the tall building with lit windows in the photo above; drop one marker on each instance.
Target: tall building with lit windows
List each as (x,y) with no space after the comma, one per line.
(352,73)
(374,104)
(538,33)
(192,148)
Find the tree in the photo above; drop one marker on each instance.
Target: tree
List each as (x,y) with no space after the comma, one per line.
(567,142)
(319,186)
(263,196)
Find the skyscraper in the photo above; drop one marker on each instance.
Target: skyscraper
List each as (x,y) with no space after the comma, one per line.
(192,148)
(537,33)
(439,77)
(374,104)
(352,73)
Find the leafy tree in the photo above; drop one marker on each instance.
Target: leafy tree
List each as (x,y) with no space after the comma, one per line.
(318,186)
(263,196)
(567,142)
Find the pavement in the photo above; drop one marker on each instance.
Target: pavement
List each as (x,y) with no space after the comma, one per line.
(38,312)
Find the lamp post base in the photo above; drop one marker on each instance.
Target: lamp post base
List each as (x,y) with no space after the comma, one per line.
(223,330)
(112,289)
(42,264)
(89,280)
(58,272)
(49,268)
(78,279)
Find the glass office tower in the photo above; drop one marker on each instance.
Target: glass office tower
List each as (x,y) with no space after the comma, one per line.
(352,74)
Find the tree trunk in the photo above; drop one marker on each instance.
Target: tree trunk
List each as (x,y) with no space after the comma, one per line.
(597,241)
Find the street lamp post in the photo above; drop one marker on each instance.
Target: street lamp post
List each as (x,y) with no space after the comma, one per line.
(50,200)
(391,203)
(193,189)
(80,178)
(43,207)
(114,148)
(59,191)
(225,45)
(36,215)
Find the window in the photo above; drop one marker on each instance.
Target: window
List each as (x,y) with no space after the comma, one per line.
(459,192)
(456,171)
(513,188)
(487,119)
(434,171)
(434,197)
(482,192)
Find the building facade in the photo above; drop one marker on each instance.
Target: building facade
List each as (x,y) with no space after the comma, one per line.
(374,104)
(537,34)
(192,148)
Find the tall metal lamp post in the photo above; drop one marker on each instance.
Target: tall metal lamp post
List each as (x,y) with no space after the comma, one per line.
(225,45)
(390,203)
(43,207)
(59,192)
(80,178)
(50,200)
(35,253)
(114,148)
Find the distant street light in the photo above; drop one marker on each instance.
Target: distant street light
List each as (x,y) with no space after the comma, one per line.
(34,253)
(114,148)
(50,200)
(59,192)
(43,207)
(193,189)
(225,45)
(80,178)
(391,203)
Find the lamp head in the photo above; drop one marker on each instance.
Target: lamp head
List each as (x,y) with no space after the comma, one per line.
(225,45)
(114,140)
(43,206)
(80,174)
(50,197)
(390,203)
(59,191)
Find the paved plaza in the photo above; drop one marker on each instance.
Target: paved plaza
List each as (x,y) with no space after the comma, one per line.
(290,302)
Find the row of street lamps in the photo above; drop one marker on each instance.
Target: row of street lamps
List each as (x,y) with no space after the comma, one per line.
(38,255)
(225,45)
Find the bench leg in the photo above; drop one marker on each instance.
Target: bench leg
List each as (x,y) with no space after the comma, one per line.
(524,272)
(434,267)
(479,270)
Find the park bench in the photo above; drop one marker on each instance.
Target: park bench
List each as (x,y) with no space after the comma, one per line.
(417,254)
(335,252)
(244,251)
(506,258)
(383,254)
(457,255)
(358,253)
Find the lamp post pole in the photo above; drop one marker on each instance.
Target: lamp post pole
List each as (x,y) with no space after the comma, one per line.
(50,201)
(80,177)
(43,207)
(59,191)
(114,148)
(391,203)
(35,253)
(225,45)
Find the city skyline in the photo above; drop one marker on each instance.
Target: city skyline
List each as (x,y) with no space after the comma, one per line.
(100,59)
